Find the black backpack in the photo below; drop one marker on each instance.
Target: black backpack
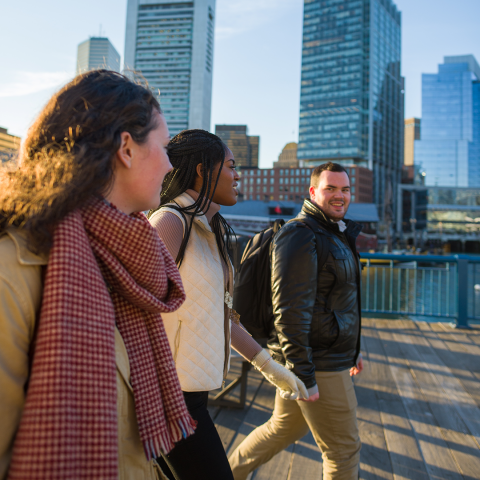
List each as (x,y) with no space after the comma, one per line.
(252,295)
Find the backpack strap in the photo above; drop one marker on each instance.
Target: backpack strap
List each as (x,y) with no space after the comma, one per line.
(323,245)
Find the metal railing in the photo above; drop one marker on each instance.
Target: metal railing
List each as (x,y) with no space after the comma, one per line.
(426,285)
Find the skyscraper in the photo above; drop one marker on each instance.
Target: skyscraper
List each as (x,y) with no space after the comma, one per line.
(351,100)
(171,45)
(449,150)
(243,146)
(97,52)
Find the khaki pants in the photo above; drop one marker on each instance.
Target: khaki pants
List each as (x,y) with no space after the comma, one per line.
(331,419)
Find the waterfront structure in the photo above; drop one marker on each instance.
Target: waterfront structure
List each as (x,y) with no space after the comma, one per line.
(245,147)
(439,214)
(412,133)
(288,157)
(292,184)
(97,52)
(351,100)
(449,150)
(171,45)
(9,145)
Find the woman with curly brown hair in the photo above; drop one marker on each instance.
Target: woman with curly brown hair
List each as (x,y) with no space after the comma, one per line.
(87,379)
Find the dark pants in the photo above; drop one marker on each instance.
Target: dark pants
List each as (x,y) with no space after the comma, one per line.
(201,456)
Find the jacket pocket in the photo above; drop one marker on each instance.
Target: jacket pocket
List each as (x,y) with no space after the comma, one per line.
(340,256)
(325,330)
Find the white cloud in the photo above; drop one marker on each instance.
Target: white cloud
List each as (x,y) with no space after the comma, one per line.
(239,16)
(25,83)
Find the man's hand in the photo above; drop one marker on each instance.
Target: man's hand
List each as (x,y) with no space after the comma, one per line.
(358,368)
(311,398)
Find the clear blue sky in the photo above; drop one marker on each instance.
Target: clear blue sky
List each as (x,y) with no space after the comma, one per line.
(256,60)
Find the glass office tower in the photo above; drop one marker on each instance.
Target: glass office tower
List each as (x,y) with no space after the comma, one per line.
(351,101)
(97,52)
(449,150)
(171,44)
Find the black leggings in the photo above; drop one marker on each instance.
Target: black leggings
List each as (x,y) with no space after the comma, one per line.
(201,456)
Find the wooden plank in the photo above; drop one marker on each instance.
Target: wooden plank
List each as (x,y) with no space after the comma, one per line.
(403,450)
(462,445)
(439,460)
(375,461)
(458,364)
(459,341)
(458,383)
(306,461)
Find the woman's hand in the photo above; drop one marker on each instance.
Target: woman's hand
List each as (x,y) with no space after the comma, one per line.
(289,385)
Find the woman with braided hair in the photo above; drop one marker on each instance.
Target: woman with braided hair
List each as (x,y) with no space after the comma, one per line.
(88,385)
(203,329)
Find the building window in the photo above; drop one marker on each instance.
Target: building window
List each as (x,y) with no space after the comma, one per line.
(352,190)
(281,180)
(264,189)
(297,172)
(272,181)
(352,180)
(272,172)
(296,189)
(297,180)
(265,172)
(281,197)
(281,171)
(271,189)
(303,171)
(353,198)
(264,180)
(259,181)
(258,197)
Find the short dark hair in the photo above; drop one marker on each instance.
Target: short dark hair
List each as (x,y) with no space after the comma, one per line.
(329,167)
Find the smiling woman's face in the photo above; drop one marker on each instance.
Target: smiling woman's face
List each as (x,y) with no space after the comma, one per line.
(226,191)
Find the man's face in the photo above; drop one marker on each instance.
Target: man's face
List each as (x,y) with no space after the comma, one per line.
(332,194)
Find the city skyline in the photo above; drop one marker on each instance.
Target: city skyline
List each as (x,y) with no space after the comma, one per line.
(255,82)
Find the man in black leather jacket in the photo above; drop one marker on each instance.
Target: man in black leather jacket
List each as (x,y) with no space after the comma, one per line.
(316,304)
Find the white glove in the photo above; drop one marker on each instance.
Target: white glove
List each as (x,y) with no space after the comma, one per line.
(289,386)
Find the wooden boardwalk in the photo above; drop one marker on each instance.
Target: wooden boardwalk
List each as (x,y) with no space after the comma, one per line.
(419,407)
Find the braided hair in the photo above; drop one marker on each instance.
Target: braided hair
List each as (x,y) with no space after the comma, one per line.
(186,150)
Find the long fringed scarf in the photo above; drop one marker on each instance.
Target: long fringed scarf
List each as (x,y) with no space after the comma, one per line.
(105,269)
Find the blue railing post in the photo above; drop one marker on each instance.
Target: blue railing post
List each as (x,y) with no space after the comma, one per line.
(462,297)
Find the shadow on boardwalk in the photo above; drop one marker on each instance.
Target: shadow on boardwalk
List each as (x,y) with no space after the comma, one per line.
(418,413)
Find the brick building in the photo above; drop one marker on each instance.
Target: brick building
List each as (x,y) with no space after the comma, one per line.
(292,184)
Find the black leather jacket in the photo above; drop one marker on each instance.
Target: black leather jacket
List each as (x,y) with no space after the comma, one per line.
(317,314)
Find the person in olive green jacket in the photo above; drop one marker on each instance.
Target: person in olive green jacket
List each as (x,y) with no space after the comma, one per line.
(88,387)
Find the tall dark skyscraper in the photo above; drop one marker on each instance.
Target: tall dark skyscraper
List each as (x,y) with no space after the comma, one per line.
(352,102)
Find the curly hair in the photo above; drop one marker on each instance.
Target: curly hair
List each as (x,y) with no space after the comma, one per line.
(186,150)
(68,155)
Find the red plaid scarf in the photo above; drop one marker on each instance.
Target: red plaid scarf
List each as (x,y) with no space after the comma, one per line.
(69,424)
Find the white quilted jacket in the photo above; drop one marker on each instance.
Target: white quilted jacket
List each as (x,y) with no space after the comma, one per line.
(198,333)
